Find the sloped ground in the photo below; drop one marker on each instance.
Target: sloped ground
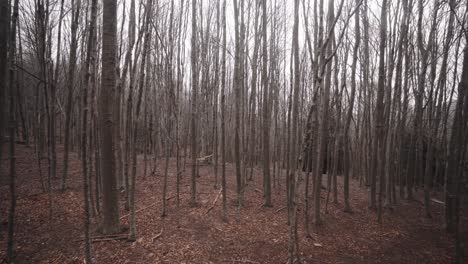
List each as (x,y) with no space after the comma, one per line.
(191,235)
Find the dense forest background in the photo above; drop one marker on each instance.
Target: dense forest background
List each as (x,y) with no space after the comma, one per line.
(352,105)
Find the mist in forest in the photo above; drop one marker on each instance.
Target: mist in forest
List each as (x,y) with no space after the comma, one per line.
(243,131)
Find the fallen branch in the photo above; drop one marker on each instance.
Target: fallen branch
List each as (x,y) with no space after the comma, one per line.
(437,201)
(206,160)
(282,208)
(157,236)
(214,202)
(241,261)
(205,157)
(109,239)
(141,209)
(104,237)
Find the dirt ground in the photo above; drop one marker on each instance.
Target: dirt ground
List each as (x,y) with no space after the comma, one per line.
(191,235)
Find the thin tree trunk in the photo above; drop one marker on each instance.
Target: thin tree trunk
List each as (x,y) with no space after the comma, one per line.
(223,107)
(11,131)
(84,160)
(237,98)
(266,114)
(292,210)
(379,111)
(349,115)
(146,45)
(71,80)
(194,69)
(4,64)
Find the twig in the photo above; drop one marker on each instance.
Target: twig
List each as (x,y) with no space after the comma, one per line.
(214,202)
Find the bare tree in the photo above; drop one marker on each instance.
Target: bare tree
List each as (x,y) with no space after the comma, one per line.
(237,97)
(84,133)
(266,113)
(346,139)
(71,80)
(147,41)
(379,129)
(292,210)
(4,64)
(223,113)
(11,129)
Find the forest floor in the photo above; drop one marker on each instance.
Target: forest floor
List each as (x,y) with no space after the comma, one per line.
(191,235)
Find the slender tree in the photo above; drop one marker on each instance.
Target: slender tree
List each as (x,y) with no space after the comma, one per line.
(223,113)
(266,114)
(11,131)
(76,8)
(347,159)
(379,111)
(193,120)
(4,63)
(147,41)
(292,211)
(84,132)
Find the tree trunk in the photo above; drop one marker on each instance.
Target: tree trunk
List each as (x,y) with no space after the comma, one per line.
(193,121)
(11,130)
(71,80)
(379,111)
(4,64)
(84,132)
(110,221)
(146,45)
(266,113)
(292,210)
(349,115)
(237,97)
(223,113)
